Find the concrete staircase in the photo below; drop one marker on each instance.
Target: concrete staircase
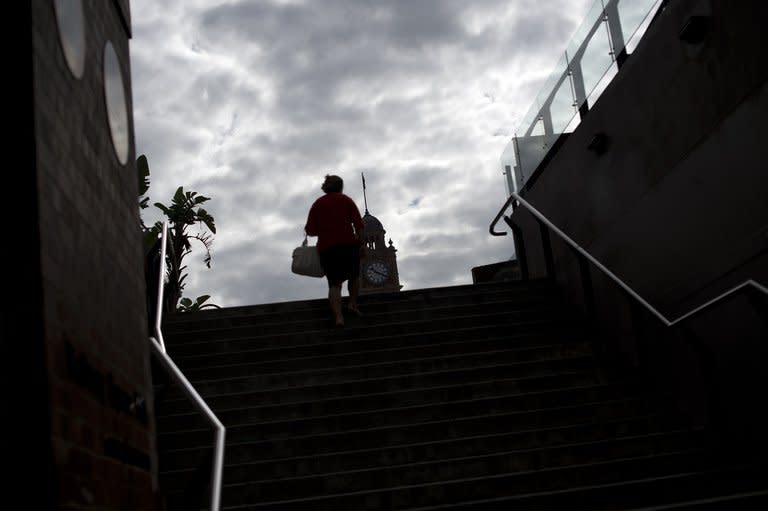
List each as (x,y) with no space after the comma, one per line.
(483,396)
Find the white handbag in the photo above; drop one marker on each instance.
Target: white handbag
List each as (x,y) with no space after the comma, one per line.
(306,261)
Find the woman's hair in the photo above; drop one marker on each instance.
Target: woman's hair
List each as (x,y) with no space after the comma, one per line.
(332,184)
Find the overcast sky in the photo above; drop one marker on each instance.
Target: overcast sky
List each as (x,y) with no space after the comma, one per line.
(252,102)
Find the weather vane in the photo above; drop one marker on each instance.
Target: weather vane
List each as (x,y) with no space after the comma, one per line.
(365,199)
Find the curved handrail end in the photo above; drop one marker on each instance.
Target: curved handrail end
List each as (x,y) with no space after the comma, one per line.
(492,228)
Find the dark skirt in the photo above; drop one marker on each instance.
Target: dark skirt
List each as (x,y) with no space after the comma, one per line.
(340,262)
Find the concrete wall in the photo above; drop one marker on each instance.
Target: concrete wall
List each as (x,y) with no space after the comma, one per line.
(91,275)
(677,206)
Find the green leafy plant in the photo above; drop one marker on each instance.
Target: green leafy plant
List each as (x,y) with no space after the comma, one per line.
(187,305)
(183,213)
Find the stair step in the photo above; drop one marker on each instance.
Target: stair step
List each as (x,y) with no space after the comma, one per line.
(318,479)
(379,410)
(308,457)
(489,485)
(339,340)
(416,356)
(300,450)
(416,470)
(291,438)
(542,362)
(277,422)
(745,501)
(398,325)
(411,298)
(394,376)
(730,487)
(318,310)
(356,393)
(444,340)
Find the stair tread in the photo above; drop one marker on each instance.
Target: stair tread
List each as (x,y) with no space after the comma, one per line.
(420,462)
(389,356)
(253,335)
(403,409)
(535,438)
(518,401)
(358,388)
(373,313)
(362,346)
(532,284)
(541,500)
(391,394)
(400,367)
(466,486)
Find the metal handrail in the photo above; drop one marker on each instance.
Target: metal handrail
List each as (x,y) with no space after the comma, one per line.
(609,273)
(492,227)
(158,345)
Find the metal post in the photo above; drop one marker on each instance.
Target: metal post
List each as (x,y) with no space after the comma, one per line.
(546,243)
(520,255)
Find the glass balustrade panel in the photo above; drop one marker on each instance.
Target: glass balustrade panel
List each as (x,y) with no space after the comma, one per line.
(562,106)
(635,15)
(591,55)
(590,60)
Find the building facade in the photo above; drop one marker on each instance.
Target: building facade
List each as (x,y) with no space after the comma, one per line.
(74,327)
(663,182)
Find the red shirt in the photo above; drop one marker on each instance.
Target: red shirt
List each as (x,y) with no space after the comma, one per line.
(331,218)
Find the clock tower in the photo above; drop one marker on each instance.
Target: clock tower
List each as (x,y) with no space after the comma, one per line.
(378,270)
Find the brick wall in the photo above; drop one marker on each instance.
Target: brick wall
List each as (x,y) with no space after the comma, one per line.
(95,334)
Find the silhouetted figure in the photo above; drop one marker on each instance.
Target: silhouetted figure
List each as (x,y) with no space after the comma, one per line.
(335,219)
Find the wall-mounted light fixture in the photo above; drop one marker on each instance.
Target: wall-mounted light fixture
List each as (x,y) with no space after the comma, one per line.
(599,143)
(695,29)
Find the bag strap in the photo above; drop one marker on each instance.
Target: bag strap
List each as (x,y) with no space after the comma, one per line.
(304,243)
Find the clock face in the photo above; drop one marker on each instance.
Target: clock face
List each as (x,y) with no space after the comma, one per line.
(376,272)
